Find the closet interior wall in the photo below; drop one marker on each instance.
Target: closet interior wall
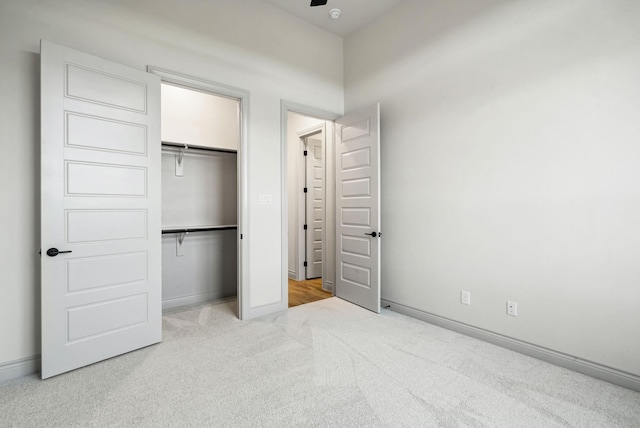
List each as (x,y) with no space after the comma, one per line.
(200,133)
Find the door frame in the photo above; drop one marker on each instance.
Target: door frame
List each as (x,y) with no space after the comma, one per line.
(242,95)
(285,108)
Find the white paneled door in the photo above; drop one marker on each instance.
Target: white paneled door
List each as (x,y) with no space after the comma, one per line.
(101,236)
(315,204)
(358,208)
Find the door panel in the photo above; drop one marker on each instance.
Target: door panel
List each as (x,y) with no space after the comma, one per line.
(101,201)
(90,227)
(358,208)
(93,319)
(89,273)
(91,179)
(94,85)
(99,133)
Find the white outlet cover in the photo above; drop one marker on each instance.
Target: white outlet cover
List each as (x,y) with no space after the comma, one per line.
(465,297)
(512,308)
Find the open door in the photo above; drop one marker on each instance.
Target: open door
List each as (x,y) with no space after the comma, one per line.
(101,236)
(314,202)
(358,208)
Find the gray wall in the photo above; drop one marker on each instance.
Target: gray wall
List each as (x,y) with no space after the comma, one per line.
(204,266)
(510,166)
(206,269)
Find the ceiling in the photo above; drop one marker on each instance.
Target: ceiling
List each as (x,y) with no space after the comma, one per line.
(355,13)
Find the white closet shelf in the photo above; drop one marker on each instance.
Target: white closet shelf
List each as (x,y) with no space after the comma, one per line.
(197,229)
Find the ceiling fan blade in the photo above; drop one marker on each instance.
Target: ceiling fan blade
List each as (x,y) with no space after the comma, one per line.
(318,2)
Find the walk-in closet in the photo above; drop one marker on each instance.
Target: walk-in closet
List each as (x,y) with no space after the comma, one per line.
(200,139)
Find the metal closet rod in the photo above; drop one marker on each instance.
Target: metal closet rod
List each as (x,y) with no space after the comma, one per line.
(191,146)
(198,229)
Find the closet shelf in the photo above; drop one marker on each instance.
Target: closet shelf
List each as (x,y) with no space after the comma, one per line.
(198,229)
(194,147)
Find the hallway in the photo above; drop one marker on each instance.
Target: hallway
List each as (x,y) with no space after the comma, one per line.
(307,291)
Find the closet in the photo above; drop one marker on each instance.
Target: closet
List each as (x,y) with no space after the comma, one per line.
(200,139)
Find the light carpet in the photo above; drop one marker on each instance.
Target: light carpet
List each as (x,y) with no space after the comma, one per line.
(328,363)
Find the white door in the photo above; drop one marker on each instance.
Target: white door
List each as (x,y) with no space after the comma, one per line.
(314,204)
(358,208)
(100,201)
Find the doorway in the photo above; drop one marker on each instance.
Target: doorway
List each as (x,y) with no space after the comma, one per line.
(309,224)
(200,133)
(351,232)
(214,144)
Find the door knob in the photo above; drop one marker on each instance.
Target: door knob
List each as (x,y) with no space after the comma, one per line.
(52,252)
(374,234)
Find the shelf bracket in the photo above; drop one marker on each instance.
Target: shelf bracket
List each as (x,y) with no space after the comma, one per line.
(179,240)
(179,162)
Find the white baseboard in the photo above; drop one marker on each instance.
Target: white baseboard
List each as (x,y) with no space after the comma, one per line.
(196,299)
(292,274)
(18,368)
(327,286)
(598,371)
(264,310)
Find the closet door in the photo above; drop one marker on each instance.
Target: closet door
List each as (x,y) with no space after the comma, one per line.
(101,236)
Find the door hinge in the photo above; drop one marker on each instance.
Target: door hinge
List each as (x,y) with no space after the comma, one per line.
(305,227)
(305,264)
(305,190)
(305,152)
(241,236)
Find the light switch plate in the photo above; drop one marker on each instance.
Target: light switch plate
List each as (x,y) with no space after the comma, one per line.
(465,297)
(265,199)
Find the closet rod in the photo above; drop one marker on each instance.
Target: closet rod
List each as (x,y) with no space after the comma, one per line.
(198,229)
(191,146)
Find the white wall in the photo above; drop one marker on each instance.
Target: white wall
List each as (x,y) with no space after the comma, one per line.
(199,118)
(510,165)
(247,44)
(295,123)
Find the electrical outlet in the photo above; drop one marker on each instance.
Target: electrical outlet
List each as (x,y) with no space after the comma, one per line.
(465,297)
(512,308)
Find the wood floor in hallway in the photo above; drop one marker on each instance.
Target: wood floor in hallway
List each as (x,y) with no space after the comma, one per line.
(301,292)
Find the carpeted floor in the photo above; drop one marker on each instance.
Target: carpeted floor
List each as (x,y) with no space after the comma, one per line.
(328,363)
